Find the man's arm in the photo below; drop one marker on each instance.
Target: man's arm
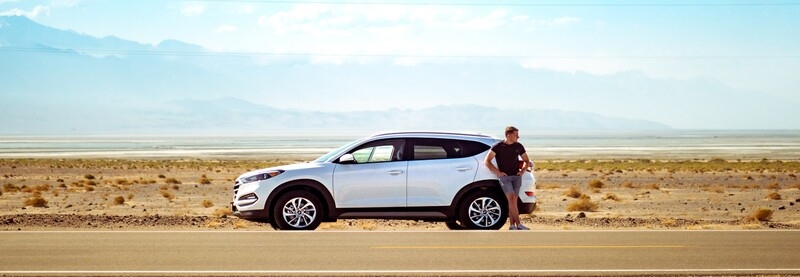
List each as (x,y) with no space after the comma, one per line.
(488,163)
(528,164)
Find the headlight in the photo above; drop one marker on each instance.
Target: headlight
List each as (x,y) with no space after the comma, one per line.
(262,176)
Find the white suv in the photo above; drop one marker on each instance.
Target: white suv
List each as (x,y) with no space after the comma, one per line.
(419,175)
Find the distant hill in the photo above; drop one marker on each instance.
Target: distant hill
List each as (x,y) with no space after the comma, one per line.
(57,81)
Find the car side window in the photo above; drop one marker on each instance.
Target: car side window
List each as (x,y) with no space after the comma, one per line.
(430,149)
(380,151)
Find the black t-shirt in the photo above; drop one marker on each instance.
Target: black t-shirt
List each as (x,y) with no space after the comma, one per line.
(507,157)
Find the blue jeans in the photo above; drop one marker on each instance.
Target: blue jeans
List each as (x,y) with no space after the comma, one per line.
(511,184)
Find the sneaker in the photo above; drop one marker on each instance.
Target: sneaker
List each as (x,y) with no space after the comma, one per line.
(522,227)
(512,227)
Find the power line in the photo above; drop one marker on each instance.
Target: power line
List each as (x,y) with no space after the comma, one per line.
(278,54)
(505,4)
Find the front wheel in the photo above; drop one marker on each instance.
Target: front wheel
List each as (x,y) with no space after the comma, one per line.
(297,210)
(484,210)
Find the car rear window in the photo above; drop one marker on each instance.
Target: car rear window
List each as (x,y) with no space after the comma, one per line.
(429,149)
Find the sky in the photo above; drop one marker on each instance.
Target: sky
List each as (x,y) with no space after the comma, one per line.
(748,45)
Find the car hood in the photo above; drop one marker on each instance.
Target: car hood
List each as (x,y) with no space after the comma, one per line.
(289,167)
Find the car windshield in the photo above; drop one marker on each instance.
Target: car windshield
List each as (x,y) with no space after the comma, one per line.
(337,151)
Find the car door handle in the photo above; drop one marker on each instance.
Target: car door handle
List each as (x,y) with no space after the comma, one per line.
(462,169)
(394,172)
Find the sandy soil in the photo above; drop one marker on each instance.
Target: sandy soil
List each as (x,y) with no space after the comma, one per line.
(98,194)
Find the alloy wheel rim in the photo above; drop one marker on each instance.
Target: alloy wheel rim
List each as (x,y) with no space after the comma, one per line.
(299,212)
(484,212)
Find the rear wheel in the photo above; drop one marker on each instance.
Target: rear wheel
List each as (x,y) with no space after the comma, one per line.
(484,210)
(297,210)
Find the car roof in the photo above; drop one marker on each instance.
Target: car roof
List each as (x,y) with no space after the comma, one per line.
(444,135)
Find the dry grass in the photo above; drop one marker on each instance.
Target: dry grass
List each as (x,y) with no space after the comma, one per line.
(204,180)
(168,195)
(223,212)
(596,184)
(582,204)
(207,203)
(761,214)
(573,192)
(611,196)
(774,196)
(119,200)
(35,201)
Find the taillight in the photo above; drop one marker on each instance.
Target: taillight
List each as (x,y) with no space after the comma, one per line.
(530,193)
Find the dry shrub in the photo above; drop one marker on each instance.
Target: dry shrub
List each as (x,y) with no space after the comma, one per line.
(573,192)
(761,214)
(208,204)
(582,204)
(240,224)
(11,188)
(223,212)
(774,186)
(628,184)
(88,177)
(119,200)
(168,195)
(123,182)
(596,184)
(717,189)
(204,180)
(611,196)
(654,187)
(36,201)
(774,196)
(172,181)
(176,187)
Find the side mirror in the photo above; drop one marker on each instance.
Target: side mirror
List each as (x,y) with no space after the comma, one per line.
(347,159)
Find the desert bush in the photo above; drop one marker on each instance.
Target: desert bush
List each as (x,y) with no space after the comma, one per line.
(119,200)
(123,182)
(596,184)
(611,196)
(223,212)
(573,192)
(161,176)
(628,184)
(582,204)
(204,180)
(774,186)
(11,188)
(176,187)
(36,201)
(168,195)
(654,187)
(774,196)
(172,181)
(88,177)
(761,214)
(207,203)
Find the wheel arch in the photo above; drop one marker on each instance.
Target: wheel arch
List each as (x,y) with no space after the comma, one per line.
(494,185)
(309,185)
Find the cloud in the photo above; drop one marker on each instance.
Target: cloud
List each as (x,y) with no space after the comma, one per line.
(36,11)
(193,10)
(572,65)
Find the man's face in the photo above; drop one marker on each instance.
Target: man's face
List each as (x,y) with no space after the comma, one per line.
(513,137)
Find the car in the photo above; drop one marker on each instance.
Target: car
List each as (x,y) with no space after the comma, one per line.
(429,176)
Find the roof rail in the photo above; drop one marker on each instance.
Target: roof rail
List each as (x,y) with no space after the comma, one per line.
(434,133)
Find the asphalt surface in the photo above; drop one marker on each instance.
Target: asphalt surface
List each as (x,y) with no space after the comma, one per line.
(439,253)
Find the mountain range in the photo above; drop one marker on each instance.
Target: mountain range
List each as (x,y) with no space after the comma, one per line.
(62,82)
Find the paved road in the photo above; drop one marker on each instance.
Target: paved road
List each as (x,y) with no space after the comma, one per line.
(404,253)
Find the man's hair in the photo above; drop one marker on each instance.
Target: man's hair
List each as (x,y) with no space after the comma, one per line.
(511,129)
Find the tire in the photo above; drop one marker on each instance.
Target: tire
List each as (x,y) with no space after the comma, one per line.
(483,210)
(297,210)
(453,225)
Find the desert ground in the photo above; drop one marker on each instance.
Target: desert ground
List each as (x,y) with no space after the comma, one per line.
(193,194)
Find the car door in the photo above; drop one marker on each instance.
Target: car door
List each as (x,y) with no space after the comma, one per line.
(437,170)
(376,179)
